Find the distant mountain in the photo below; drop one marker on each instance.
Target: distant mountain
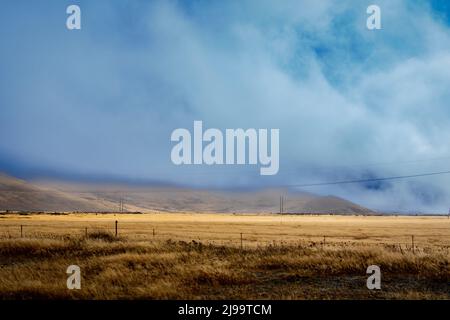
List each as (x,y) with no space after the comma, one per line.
(66,196)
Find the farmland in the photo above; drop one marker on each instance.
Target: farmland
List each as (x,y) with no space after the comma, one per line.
(223,256)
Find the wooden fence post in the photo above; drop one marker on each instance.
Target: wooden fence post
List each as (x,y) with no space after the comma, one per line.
(116,228)
(241,241)
(21,231)
(412,241)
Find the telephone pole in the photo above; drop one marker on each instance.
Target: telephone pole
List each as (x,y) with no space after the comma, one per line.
(121,205)
(281,204)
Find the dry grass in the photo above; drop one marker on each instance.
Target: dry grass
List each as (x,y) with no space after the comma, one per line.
(176,265)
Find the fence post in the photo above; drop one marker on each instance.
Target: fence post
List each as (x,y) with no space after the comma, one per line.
(412,241)
(241,241)
(21,231)
(153,232)
(116,228)
(324,240)
(86,234)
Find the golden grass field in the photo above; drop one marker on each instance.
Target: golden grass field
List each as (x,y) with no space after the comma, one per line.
(201,256)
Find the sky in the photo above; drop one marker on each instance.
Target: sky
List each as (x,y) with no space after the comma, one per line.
(100,103)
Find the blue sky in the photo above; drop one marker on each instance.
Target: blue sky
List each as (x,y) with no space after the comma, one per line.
(350,103)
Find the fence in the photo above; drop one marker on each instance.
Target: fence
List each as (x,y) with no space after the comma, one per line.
(240,238)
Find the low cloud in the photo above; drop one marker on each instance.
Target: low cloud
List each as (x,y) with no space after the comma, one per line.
(350,103)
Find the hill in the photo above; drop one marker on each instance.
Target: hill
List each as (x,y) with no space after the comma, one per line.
(19,195)
(66,196)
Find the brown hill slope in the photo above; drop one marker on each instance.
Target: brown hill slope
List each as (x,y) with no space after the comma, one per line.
(19,195)
(182,199)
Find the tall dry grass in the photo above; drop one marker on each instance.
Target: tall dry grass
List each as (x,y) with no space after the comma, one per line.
(123,268)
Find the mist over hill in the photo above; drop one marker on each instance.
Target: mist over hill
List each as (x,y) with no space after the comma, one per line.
(21,195)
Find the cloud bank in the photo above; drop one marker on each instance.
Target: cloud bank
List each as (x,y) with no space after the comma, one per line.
(350,103)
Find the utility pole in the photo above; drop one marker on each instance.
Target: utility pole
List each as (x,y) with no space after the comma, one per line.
(280,204)
(121,204)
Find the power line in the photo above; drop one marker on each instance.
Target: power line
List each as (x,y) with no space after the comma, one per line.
(118,192)
(368,180)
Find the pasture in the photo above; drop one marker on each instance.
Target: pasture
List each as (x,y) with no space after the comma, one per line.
(223,256)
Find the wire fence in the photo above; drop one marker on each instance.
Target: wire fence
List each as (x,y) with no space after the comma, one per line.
(238,236)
